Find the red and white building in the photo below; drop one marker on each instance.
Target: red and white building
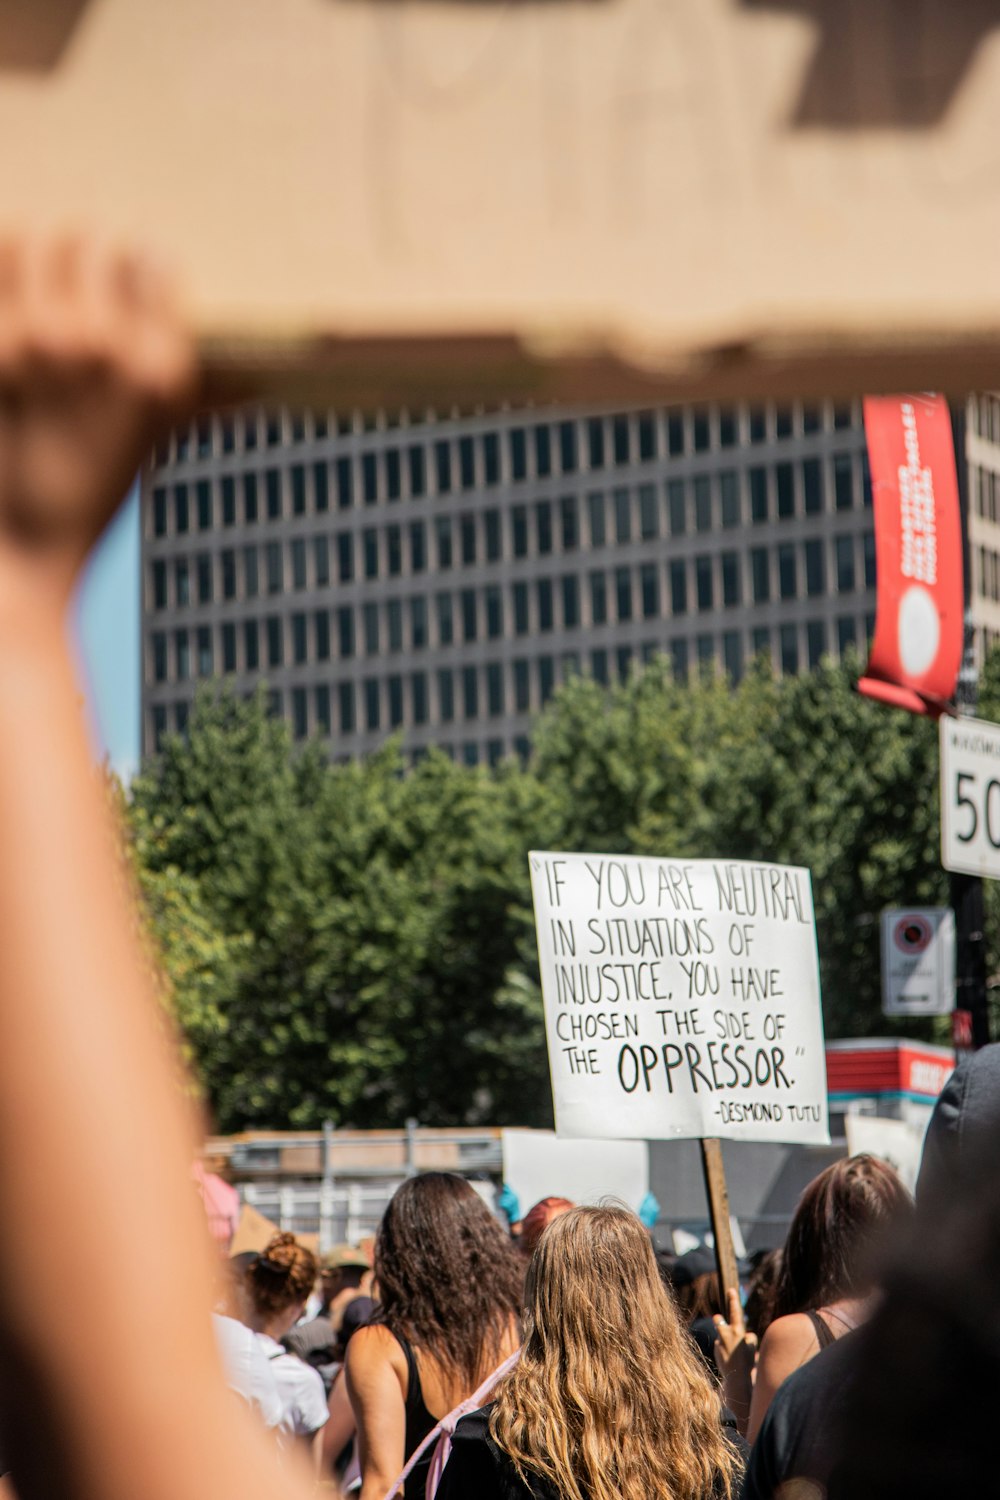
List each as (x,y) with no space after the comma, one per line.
(888,1077)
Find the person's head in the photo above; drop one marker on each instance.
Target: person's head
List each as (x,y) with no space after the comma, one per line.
(763,1292)
(840,1218)
(233,1301)
(920,1414)
(537,1218)
(356,1314)
(966,1107)
(449,1279)
(278,1282)
(694,1282)
(343,1269)
(610,1399)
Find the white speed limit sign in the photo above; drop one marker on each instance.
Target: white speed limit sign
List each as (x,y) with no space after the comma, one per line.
(970,797)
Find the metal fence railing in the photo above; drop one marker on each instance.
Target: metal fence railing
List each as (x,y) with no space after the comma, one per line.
(338,1213)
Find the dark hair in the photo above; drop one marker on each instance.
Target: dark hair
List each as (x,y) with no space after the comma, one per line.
(839,1216)
(449,1279)
(699,1298)
(281,1274)
(919,1416)
(344,1277)
(761,1298)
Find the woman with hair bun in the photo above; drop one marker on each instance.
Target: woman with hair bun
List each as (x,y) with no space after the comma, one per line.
(449,1286)
(610,1400)
(278,1283)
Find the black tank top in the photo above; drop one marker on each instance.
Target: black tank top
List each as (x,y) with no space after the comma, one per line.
(824,1333)
(419,1422)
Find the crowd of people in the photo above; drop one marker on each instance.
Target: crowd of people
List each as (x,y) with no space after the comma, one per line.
(567,1365)
(567,1359)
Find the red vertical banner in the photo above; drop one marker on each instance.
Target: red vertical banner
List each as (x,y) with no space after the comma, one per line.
(920,601)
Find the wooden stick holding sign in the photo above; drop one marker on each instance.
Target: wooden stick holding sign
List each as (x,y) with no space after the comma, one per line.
(718,1212)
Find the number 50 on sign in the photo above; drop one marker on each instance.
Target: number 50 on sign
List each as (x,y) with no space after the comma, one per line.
(970,797)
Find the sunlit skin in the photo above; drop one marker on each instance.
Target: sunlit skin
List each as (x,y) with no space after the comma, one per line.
(788,1344)
(95,1137)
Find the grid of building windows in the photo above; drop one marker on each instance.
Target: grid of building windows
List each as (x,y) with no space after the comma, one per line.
(983,450)
(441,577)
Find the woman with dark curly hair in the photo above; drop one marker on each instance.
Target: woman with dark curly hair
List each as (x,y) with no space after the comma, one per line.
(450,1286)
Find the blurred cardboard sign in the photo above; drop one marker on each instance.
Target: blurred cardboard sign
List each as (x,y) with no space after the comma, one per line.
(432,200)
(252,1232)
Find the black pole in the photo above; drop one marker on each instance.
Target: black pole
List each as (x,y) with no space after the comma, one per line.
(967,890)
(970,955)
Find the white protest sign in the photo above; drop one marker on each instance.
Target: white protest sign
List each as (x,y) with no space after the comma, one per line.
(681,998)
(899,1142)
(538,1164)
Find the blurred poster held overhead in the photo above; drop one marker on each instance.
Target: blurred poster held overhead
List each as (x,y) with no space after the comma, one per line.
(681,998)
(917,649)
(253,1231)
(444,202)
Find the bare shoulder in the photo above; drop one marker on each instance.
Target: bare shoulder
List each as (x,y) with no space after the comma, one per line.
(789,1336)
(373,1345)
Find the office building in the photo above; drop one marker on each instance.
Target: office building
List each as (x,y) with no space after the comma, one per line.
(982,445)
(440,576)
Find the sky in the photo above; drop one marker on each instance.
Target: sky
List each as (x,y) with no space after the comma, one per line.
(106,627)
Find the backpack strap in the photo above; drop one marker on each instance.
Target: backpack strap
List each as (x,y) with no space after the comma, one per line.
(441,1433)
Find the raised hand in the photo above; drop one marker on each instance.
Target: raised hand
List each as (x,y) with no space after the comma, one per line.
(735,1356)
(93,359)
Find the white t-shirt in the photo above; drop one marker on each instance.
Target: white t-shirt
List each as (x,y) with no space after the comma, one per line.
(247,1368)
(303,1397)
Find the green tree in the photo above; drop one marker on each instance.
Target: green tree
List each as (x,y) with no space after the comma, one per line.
(812,773)
(226,810)
(375,922)
(430,904)
(624,766)
(799,770)
(356,942)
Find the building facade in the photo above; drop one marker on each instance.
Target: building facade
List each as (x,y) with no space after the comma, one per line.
(440,577)
(982,444)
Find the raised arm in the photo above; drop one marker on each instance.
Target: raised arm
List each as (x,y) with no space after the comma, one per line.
(126,1399)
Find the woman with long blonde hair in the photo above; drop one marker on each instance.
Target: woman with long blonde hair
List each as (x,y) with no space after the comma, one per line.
(610,1400)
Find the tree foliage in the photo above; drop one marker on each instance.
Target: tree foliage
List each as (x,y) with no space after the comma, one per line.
(354,942)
